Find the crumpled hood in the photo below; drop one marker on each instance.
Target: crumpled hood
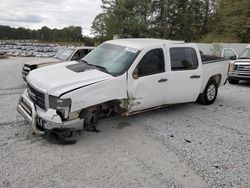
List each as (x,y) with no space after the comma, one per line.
(58,79)
(40,61)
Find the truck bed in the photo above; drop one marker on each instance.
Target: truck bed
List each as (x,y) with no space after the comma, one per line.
(214,65)
(210,59)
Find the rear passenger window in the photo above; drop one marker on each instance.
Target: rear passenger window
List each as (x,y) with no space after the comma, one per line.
(151,63)
(183,59)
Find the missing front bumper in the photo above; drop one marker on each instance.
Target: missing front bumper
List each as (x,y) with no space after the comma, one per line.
(41,121)
(27,109)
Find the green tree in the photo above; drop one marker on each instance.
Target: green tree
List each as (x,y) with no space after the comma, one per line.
(67,34)
(98,27)
(181,20)
(126,17)
(231,23)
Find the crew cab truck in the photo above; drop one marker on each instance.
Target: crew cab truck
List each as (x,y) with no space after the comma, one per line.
(240,68)
(120,77)
(66,54)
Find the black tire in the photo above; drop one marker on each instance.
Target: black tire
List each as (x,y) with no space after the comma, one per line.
(62,136)
(233,81)
(69,139)
(209,94)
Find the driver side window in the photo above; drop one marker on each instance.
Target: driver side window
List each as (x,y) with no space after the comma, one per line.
(151,63)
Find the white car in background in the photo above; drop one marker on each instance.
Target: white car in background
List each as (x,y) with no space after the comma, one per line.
(67,54)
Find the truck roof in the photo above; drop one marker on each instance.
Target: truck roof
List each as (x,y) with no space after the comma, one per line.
(140,43)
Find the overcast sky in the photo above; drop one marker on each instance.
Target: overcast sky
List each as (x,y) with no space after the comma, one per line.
(52,13)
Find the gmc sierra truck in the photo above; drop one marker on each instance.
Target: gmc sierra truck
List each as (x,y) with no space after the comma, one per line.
(120,77)
(67,54)
(240,68)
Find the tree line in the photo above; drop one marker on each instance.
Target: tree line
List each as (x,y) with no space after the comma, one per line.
(67,34)
(189,20)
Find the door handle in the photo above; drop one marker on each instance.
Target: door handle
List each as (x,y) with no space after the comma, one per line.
(163,80)
(195,76)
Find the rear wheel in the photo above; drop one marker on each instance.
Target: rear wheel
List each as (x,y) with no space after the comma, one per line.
(209,94)
(233,81)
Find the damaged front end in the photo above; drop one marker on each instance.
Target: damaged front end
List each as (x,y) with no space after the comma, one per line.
(41,120)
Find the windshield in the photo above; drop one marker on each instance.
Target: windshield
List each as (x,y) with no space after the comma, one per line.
(114,59)
(64,54)
(245,54)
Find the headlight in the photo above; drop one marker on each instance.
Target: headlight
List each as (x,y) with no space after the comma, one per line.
(231,67)
(62,106)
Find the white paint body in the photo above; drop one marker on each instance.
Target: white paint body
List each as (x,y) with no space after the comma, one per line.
(94,87)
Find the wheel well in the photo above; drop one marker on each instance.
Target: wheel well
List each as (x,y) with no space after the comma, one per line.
(106,107)
(216,78)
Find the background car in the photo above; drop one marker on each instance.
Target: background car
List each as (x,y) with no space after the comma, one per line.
(66,54)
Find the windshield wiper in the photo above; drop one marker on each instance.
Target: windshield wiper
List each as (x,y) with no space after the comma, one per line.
(244,58)
(84,61)
(100,67)
(96,66)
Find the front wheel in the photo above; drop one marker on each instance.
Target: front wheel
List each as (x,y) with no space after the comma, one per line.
(209,94)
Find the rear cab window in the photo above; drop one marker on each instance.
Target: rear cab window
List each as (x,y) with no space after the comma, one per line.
(183,58)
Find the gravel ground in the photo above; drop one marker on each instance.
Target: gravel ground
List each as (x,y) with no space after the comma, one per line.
(184,145)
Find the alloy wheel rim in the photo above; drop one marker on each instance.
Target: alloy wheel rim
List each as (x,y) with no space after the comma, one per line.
(211,92)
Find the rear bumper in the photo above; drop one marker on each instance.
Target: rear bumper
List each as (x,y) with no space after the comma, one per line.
(40,120)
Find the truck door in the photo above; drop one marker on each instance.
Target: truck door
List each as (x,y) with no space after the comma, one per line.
(147,80)
(185,75)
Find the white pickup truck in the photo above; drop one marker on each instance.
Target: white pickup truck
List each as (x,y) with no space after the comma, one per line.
(240,68)
(120,77)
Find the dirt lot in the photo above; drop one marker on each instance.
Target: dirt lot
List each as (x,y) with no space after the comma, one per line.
(185,145)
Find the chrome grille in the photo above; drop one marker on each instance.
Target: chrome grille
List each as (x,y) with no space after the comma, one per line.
(36,96)
(244,69)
